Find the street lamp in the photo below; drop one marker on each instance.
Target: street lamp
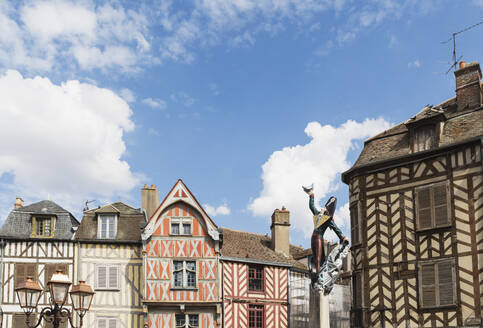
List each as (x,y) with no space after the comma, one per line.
(29,291)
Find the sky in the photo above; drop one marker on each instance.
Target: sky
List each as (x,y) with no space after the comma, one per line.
(244,100)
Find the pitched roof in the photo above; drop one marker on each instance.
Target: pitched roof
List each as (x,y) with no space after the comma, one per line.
(19,222)
(128,225)
(248,246)
(394,143)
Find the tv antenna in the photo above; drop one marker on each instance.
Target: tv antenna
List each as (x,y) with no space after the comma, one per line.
(455,60)
(87,204)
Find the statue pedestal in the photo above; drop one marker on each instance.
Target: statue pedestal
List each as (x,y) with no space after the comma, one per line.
(319,310)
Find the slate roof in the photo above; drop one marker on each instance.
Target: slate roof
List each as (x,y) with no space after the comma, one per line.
(128,226)
(248,246)
(19,222)
(394,143)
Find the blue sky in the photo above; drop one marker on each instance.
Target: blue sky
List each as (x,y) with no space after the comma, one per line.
(244,100)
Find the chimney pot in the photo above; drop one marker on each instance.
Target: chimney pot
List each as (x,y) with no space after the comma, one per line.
(462,64)
(18,202)
(145,186)
(153,186)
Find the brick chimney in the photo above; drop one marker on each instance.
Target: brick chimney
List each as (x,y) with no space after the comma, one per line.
(468,85)
(149,199)
(280,231)
(18,203)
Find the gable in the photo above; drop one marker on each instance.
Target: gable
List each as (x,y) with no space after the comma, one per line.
(178,202)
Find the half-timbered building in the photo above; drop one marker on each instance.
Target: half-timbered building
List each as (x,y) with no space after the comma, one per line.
(416,204)
(181,246)
(109,258)
(263,284)
(35,240)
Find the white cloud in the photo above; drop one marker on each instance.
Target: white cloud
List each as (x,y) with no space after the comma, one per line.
(216,211)
(65,140)
(183,98)
(414,64)
(214,89)
(42,35)
(153,132)
(320,162)
(127,95)
(155,103)
(393,41)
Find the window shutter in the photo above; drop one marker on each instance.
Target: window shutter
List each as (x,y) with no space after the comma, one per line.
(112,323)
(428,285)
(445,279)
(50,269)
(440,205)
(102,323)
(358,290)
(20,273)
(101,277)
(424,208)
(113,277)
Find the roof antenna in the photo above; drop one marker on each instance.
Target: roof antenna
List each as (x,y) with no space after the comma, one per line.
(86,208)
(456,60)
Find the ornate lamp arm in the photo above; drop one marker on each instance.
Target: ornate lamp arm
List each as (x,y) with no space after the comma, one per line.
(70,315)
(45,311)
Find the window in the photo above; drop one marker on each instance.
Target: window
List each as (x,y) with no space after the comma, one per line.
(106,226)
(50,269)
(24,270)
(42,226)
(432,206)
(186,320)
(181,226)
(107,322)
(437,283)
(255,316)
(355,226)
(424,138)
(19,320)
(255,278)
(107,277)
(184,274)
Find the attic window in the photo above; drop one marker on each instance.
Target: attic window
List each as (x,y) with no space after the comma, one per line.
(424,137)
(181,226)
(106,226)
(42,226)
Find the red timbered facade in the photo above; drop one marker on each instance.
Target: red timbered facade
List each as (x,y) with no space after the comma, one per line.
(181,244)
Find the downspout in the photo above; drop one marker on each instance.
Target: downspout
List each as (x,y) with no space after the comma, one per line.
(2,246)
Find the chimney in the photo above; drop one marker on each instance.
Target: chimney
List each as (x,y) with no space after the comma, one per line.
(149,199)
(280,231)
(468,85)
(18,203)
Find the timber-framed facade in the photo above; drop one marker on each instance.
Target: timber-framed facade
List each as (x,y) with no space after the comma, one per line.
(35,240)
(109,258)
(416,201)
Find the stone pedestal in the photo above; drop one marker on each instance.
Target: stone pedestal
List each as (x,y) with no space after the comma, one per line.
(319,310)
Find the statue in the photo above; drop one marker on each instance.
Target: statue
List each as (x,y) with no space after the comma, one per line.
(324,272)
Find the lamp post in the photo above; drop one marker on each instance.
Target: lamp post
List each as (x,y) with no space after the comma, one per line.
(29,291)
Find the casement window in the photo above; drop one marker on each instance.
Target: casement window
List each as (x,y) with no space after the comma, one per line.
(355,224)
(432,206)
(181,226)
(184,274)
(187,320)
(107,322)
(255,316)
(43,226)
(24,270)
(107,277)
(255,278)
(106,226)
(437,283)
(424,138)
(50,269)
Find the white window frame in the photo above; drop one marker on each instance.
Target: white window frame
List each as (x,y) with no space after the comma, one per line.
(116,319)
(186,320)
(185,275)
(99,226)
(180,221)
(108,287)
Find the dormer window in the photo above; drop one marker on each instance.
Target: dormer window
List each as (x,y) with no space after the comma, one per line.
(424,138)
(181,226)
(106,226)
(42,226)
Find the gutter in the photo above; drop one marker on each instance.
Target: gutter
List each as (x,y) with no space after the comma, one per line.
(395,161)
